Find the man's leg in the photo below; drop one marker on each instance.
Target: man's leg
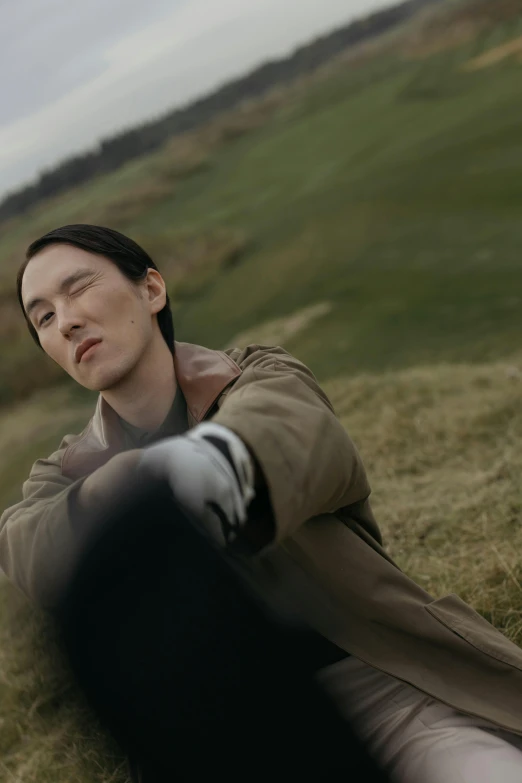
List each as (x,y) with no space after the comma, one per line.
(417,738)
(186,667)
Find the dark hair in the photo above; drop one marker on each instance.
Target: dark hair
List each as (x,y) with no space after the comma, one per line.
(128,256)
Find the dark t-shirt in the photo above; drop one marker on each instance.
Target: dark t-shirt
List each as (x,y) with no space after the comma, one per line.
(176,423)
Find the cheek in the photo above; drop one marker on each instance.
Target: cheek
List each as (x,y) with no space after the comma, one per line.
(55,347)
(109,306)
(121,313)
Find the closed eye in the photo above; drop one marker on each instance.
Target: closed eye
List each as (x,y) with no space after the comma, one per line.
(78,291)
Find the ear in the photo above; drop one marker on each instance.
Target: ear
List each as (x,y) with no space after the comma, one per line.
(156,291)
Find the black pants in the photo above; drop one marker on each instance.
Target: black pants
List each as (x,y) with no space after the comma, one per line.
(186,668)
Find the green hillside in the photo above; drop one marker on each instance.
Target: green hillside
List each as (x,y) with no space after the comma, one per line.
(390,188)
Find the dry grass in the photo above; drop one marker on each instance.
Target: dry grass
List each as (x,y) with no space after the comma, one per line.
(456,23)
(442,446)
(46,734)
(280,330)
(495,55)
(443,450)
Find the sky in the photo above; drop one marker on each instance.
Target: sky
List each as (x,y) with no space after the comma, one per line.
(76,71)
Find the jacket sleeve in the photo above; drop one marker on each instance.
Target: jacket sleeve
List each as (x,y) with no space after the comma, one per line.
(35,533)
(307,459)
(42,535)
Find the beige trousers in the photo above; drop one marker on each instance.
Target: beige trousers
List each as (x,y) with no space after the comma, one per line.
(418,739)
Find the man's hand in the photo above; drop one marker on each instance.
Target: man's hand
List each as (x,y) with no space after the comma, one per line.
(211,473)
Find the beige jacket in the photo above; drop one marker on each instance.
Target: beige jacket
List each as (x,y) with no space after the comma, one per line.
(324,529)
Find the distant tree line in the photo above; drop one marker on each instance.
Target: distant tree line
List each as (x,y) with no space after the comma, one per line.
(117,150)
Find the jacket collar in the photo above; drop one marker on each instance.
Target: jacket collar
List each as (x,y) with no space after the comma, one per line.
(202,375)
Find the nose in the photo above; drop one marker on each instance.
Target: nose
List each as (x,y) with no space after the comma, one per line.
(68,321)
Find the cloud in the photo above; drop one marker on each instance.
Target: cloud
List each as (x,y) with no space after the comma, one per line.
(109,70)
(48,47)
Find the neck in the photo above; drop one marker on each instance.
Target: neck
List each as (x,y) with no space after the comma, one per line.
(140,402)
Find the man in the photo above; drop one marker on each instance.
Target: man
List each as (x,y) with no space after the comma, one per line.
(250,445)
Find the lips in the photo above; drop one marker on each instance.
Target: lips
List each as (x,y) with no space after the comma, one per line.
(84,347)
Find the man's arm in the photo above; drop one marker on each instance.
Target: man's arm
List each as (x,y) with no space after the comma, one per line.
(41,536)
(309,463)
(298,462)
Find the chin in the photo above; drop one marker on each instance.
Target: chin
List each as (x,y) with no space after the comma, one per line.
(105,379)
(105,372)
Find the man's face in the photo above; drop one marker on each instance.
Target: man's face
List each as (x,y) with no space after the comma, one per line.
(92,320)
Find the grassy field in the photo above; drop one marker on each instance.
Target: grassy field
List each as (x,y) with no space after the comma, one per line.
(369,220)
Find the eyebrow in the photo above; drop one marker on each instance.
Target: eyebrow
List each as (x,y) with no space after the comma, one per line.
(66,283)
